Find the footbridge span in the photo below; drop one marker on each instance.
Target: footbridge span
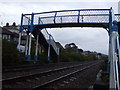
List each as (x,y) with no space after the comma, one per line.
(36,23)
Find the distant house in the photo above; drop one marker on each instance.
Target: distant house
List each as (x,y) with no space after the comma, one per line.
(14,28)
(86,53)
(6,34)
(11,36)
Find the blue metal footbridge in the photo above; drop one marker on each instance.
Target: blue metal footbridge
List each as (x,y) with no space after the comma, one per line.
(36,24)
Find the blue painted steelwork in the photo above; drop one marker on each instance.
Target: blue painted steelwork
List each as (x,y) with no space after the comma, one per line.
(55,17)
(72,16)
(78,16)
(27,57)
(115,27)
(32,22)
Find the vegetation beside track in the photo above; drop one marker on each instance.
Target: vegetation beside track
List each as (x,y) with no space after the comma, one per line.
(11,56)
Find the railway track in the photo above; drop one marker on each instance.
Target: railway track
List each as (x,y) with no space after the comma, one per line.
(30,69)
(42,79)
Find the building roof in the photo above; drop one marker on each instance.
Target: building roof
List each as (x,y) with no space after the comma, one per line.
(13,34)
(12,27)
(5,31)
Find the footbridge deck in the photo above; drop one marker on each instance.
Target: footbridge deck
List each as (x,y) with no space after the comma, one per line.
(70,18)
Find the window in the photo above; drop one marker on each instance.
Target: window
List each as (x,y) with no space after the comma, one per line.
(4,36)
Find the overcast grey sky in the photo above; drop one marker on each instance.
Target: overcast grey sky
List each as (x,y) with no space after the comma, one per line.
(93,39)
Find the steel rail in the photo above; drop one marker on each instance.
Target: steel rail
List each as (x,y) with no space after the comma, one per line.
(62,77)
(41,73)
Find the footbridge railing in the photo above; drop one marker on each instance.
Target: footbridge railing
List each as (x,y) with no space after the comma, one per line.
(50,40)
(69,16)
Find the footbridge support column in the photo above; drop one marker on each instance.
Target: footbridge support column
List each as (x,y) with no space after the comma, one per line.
(29,48)
(114,48)
(36,50)
(26,47)
(19,41)
(29,33)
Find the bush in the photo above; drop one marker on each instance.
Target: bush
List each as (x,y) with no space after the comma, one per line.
(10,54)
(91,57)
(42,58)
(72,56)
